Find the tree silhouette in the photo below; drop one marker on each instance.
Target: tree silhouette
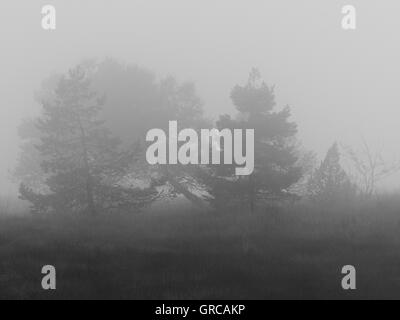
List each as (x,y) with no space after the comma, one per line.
(275,151)
(369,167)
(330,182)
(83,161)
(137,102)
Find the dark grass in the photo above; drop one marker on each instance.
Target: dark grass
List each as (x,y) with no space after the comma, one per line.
(292,253)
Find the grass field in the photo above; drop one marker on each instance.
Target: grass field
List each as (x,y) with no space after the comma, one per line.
(294,252)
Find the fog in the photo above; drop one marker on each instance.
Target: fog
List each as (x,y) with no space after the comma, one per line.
(198,149)
(340,85)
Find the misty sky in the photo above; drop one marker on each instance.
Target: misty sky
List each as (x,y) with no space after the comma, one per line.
(341,85)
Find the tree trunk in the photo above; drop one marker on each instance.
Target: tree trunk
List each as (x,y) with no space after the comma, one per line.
(89,185)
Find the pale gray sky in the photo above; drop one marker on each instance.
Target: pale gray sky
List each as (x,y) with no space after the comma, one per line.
(340,84)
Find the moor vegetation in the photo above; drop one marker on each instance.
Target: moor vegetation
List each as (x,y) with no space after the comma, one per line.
(116,227)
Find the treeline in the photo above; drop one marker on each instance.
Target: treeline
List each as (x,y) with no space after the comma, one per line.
(85,152)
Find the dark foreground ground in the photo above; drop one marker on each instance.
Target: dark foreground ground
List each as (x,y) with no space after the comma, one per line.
(292,253)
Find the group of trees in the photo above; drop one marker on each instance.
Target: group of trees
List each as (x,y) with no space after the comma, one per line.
(85,152)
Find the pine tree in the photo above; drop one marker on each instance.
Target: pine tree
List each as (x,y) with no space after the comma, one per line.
(329,181)
(275,152)
(83,161)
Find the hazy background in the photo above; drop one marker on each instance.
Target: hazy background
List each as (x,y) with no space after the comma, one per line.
(341,85)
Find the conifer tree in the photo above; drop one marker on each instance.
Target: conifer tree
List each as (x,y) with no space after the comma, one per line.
(330,181)
(82,160)
(275,157)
